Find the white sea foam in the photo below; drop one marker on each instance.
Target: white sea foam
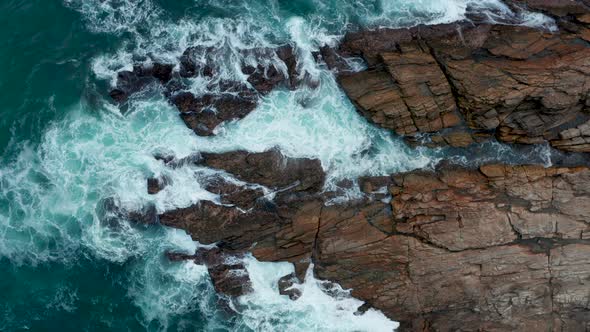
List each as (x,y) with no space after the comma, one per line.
(266,310)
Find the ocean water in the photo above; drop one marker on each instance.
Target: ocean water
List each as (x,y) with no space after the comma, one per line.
(65,150)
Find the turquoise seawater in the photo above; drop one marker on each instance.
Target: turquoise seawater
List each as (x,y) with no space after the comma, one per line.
(65,150)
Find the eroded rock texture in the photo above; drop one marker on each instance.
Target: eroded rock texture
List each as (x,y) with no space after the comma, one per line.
(522,84)
(498,248)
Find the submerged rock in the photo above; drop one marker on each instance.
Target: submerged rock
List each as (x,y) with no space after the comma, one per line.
(155,185)
(130,82)
(270,169)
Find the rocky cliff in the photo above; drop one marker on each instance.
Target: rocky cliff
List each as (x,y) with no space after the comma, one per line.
(464,82)
(497,248)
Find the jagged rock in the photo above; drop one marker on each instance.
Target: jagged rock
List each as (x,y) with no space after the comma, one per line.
(286,284)
(227,272)
(234,100)
(270,169)
(231,193)
(155,185)
(203,114)
(525,84)
(409,95)
(499,248)
(130,82)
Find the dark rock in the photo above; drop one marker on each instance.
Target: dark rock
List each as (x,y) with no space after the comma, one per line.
(270,168)
(231,193)
(288,56)
(203,114)
(226,270)
(163,72)
(155,185)
(286,284)
(195,61)
(111,214)
(165,158)
(128,83)
(264,80)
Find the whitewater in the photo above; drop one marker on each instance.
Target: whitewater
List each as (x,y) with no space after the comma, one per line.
(55,228)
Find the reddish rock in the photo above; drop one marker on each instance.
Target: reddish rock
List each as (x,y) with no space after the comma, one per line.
(500,248)
(527,85)
(270,168)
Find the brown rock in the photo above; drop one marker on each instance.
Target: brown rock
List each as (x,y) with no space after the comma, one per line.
(155,185)
(286,284)
(501,248)
(227,272)
(527,85)
(270,168)
(231,193)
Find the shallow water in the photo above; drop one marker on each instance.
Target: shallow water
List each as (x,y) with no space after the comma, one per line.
(65,150)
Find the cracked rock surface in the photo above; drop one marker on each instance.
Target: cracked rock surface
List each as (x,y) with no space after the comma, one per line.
(496,248)
(464,82)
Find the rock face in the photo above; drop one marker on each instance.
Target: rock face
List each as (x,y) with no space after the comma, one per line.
(523,84)
(499,248)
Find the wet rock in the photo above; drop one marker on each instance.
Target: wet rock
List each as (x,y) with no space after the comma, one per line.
(195,61)
(244,197)
(262,79)
(130,82)
(203,114)
(226,270)
(286,284)
(112,214)
(526,85)
(155,185)
(270,169)
(519,230)
(165,158)
(288,56)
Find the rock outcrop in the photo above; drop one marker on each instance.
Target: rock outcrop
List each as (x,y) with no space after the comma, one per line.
(227,272)
(227,100)
(464,82)
(496,248)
